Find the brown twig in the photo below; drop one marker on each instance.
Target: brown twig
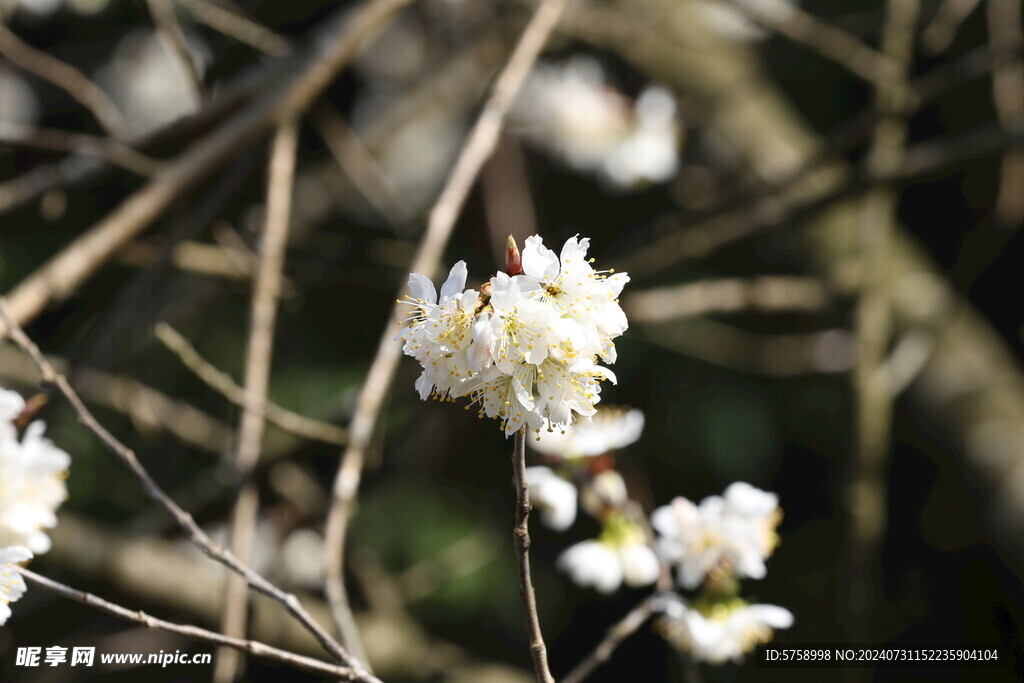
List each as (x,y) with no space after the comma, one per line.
(477,149)
(938,35)
(521,535)
(221,382)
(170,35)
(1006,39)
(233,25)
(358,164)
(148,410)
(184,520)
(266,293)
(331,50)
(615,636)
(765,293)
(802,27)
(65,77)
(827,351)
(252,647)
(109,149)
(867,484)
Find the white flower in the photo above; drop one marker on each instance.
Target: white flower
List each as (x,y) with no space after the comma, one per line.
(572,111)
(525,349)
(619,555)
(12,586)
(730,536)
(648,154)
(32,473)
(593,564)
(607,490)
(608,430)
(554,496)
(721,632)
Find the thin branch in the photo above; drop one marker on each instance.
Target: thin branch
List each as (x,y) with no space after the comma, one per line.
(358,164)
(109,149)
(184,520)
(766,293)
(266,293)
(521,534)
(792,198)
(866,485)
(332,48)
(615,636)
(236,26)
(939,34)
(221,382)
(804,28)
(65,77)
(148,409)
(252,647)
(477,149)
(170,35)
(827,351)
(1006,39)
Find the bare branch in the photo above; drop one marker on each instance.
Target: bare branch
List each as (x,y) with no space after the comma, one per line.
(109,149)
(766,293)
(331,50)
(1006,39)
(615,636)
(939,34)
(802,27)
(240,28)
(521,534)
(867,483)
(477,149)
(65,77)
(170,35)
(184,520)
(266,292)
(221,382)
(252,647)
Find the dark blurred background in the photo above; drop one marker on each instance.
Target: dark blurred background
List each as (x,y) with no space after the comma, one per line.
(756,393)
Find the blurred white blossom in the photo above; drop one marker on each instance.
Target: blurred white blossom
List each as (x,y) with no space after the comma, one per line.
(18,102)
(720,632)
(603,492)
(12,586)
(32,474)
(730,535)
(525,350)
(608,430)
(553,496)
(620,555)
(151,86)
(605,567)
(570,110)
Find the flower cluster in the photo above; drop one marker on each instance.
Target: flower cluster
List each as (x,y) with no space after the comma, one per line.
(726,535)
(32,474)
(12,586)
(525,348)
(582,475)
(712,545)
(720,632)
(570,110)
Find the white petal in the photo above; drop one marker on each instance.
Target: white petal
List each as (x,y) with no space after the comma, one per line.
(455,283)
(504,293)
(574,251)
(421,288)
(640,565)
(539,262)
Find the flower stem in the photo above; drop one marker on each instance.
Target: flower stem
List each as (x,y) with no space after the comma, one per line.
(521,534)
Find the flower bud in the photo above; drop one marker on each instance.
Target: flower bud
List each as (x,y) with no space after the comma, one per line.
(513,261)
